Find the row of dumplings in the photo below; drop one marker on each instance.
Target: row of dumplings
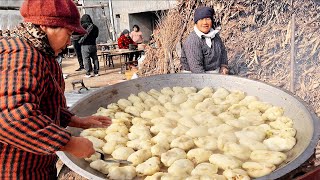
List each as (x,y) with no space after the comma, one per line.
(227,130)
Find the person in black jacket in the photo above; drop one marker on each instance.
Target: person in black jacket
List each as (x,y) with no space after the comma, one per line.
(88,46)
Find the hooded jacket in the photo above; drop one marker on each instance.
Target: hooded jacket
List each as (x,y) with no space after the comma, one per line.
(92,31)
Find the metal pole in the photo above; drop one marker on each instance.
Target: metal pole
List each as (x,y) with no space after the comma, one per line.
(292,54)
(112,20)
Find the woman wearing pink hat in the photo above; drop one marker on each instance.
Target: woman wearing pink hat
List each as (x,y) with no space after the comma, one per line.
(33,111)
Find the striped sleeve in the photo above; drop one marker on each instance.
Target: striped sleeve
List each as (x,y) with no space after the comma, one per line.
(65,116)
(22,82)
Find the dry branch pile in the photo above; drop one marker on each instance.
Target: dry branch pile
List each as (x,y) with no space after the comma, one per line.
(257,36)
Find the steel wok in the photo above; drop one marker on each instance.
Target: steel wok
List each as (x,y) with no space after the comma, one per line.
(305,120)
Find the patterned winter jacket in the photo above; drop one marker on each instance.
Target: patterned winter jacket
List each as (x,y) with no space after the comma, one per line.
(33,111)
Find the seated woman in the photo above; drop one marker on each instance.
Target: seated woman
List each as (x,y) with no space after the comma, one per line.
(123,42)
(203,51)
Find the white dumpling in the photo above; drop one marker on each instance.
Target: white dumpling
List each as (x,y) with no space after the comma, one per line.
(189,104)
(198,131)
(225,116)
(93,157)
(236,174)
(253,144)
(125,172)
(179,98)
(142,135)
(122,153)
(188,122)
(235,97)
(97,143)
(189,90)
(123,103)
(225,138)
(203,117)
(160,148)
(113,106)
(163,137)
(123,116)
(272,157)
(255,169)
(102,166)
(162,127)
(141,105)
(206,142)
(133,99)
(187,112)
(154,93)
(138,120)
(151,102)
(178,90)
(261,106)
(205,169)
(196,97)
(183,142)
(109,147)
(198,155)
(282,123)
(238,123)
(221,93)
(223,128)
(225,161)
(143,95)
(247,100)
(149,167)
(99,133)
(285,132)
(105,112)
(205,177)
(171,107)
(164,98)
(277,143)
(134,110)
(149,115)
(173,115)
(181,167)
(116,137)
(254,134)
(273,113)
(237,150)
(180,130)
(168,176)
(236,109)
(156,176)
(167,91)
(159,109)
(137,144)
(172,155)
(206,92)
(138,128)
(117,127)
(139,156)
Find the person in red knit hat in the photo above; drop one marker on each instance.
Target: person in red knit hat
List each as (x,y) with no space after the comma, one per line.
(33,110)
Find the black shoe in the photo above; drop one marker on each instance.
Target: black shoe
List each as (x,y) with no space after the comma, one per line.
(80,69)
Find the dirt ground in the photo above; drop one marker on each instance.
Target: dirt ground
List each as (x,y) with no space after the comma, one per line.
(108,77)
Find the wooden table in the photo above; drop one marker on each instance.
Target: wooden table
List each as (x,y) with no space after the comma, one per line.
(123,53)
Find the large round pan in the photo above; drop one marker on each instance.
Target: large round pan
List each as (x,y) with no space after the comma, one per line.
(305,120)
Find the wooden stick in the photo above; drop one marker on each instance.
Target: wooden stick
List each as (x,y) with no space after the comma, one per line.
(292,53)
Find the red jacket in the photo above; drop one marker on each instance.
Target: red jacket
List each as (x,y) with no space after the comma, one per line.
(123,42)
(33,111)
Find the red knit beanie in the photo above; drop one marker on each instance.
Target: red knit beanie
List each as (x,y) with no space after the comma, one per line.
(58,13)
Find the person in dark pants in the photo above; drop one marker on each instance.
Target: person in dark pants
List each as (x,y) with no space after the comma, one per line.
(77,48)
(89,46)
